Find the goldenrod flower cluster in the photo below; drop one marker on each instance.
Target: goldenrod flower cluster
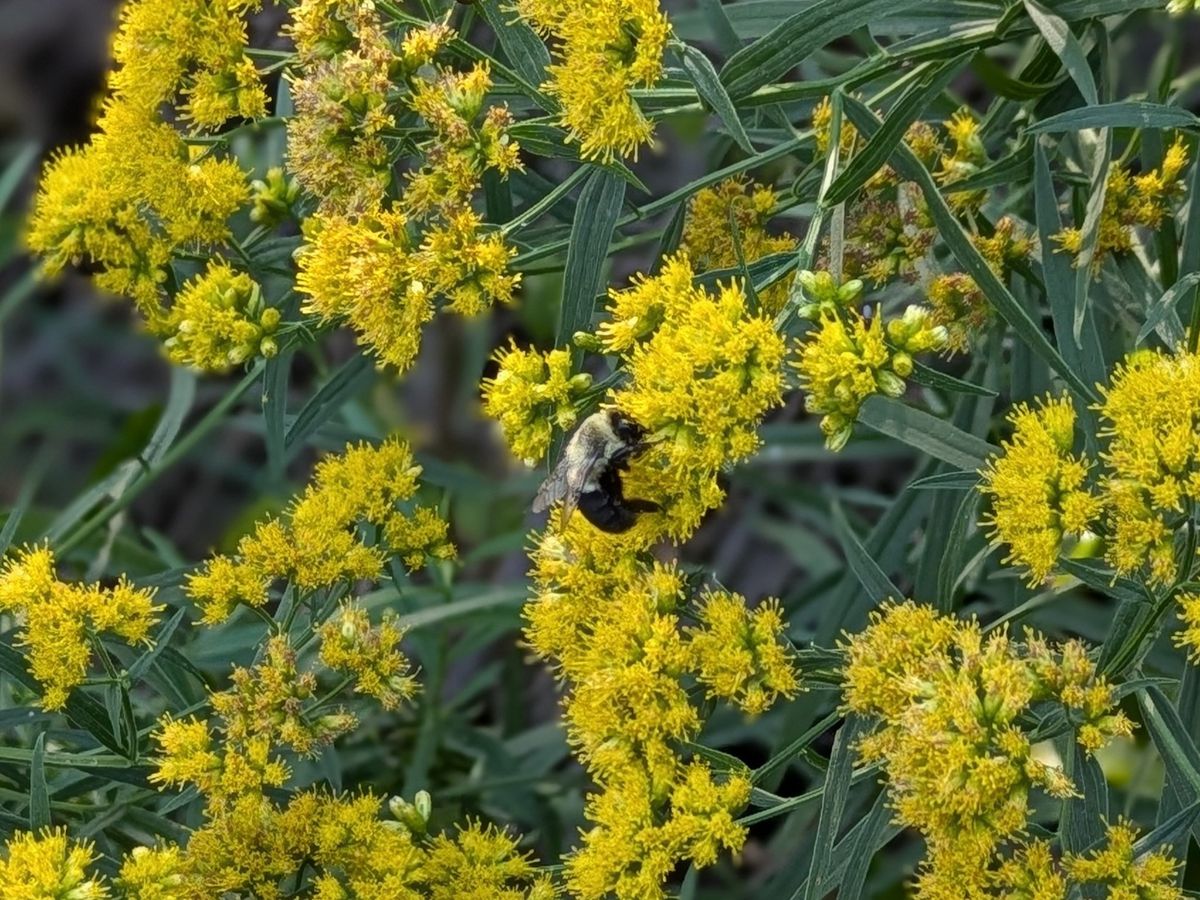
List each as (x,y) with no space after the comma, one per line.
(957,302)
(1032,871)
(703,371)
(369,654)
(847,357)
(60,621)
(611,622)
(49,864)
(382,267)
(888,232)
(128,202)
(1038,487)
(316,543)
(336,146)
(332,846)
(726,227)
(602,51)
(947,702)
(1150,414)
(1147,481)
(219,320)
(269,699)
(136,195)
(1131,201)
(531,394)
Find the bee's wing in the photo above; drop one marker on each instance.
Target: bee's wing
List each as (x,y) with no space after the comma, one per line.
(566,482)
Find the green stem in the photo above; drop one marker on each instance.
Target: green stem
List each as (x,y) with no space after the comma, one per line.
(178,451)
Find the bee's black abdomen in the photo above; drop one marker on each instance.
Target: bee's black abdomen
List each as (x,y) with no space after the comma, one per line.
(606,512)
(606,506)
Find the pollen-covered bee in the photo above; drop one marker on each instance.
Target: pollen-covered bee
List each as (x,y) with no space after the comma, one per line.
(588,475)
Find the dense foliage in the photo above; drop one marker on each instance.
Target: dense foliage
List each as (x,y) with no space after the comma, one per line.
(906,299)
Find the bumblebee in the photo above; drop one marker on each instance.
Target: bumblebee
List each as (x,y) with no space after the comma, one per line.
(588,475)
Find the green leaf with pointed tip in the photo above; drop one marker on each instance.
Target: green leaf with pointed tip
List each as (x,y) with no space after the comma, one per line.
(591,232)
(39,795)
(712,92)
(795,39)
(929,434)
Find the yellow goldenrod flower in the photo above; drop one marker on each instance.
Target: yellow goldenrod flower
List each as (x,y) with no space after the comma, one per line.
(957,302)
(1150,875)
(127,202)
(602,51)
(336,147)
(1131,201)
(366,271)
(316,543)
(361,271)
(193,48)
(948,701)
(151,873)
(700,384)
(189,755)
(350,644)
(219,320)
(465,266)
(845,359)
(1038,487)
(741,655)
(532,394)
(1031,872)
(59,621)
(481,863)
(1189,612)
(50,865)
(269,699)
(1150,414)
(711,241)
(638,838)
(625,662)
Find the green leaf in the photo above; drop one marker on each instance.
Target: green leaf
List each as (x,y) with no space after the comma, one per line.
(1162,315)
(1171,831)
(712,92)
(351,378)
(868,572)
(929,434)
(161,640)
(1083,354)
(1064,44)
(906,111)
(274,406)
(951,568)
(968,255)
(1123,114)
(833,805)
(17,168)
(932,378)
(872,833)
(1175,746)
(591,232)
(81,709)
(39,795)
(781,760)
(945,481)
(795,39)
(1083,816)
(180,397)
(522,46)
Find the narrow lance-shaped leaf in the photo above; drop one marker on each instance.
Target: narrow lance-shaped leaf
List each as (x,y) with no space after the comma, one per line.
(591,232)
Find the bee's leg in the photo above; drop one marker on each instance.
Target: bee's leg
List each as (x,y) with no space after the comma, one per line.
(642,506)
